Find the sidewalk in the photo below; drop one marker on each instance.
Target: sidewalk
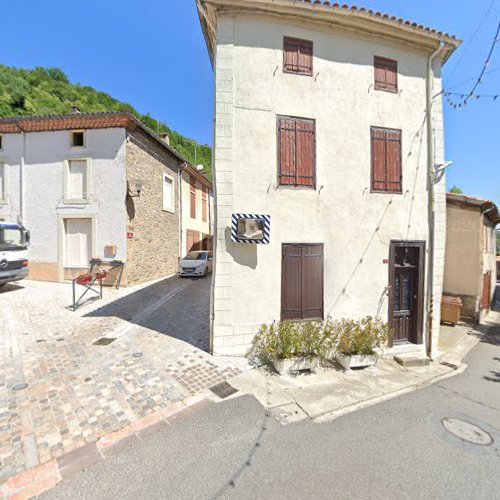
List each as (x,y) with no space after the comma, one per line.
(330,393)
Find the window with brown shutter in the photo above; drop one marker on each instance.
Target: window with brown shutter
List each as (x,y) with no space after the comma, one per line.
(297,56)
(387,176)
(302,282)
(192,196)
(386,74)
(204,203)
(296,152)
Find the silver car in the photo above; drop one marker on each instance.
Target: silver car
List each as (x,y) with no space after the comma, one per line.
(196,263)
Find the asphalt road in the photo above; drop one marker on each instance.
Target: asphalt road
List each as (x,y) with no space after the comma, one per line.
(397,449)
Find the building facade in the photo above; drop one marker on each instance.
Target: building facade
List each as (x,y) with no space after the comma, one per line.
(321,128)
(196,211)
(470,269)
(91,186)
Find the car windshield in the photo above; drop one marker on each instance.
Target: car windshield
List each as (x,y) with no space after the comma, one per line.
(11,238)
(196,256)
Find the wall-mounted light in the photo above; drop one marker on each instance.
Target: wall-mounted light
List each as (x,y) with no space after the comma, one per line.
(439,169)
(138,189)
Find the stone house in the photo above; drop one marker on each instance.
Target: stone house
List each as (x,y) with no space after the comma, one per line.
(470,267)
(196,216)
(329,168)
(97,185)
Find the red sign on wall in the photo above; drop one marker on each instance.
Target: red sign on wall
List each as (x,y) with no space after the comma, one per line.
(130,235)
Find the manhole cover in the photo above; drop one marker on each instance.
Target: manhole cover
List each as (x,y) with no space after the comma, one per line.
(467,431)
(19,387)
(104,341)
(223,390)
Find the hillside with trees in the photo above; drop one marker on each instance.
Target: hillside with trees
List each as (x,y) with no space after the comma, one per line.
(42,91)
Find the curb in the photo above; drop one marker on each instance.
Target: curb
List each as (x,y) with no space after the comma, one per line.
(43,477)
(453,356)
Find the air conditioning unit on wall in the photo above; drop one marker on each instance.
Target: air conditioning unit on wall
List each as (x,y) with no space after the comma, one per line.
(252,229)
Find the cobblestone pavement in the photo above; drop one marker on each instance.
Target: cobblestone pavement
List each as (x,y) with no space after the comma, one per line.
(59,391)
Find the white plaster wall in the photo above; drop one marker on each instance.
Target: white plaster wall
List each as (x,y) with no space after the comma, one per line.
(44,188)
(355,226)
(10,157)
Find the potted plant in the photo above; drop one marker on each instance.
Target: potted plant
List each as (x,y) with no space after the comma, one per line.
(292,347)
(359,341)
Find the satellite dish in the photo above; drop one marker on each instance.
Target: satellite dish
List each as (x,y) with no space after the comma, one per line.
(199,167)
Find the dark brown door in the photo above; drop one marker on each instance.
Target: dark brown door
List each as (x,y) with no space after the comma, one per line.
(406,292)
(302,282)
(486,291)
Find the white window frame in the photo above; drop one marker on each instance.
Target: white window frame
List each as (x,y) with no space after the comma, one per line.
(88,181)
(4,200)
(71,139)
(170,179)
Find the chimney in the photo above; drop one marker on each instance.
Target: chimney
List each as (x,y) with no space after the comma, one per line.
(165,137)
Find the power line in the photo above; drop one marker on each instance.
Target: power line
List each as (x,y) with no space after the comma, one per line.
(471,94)
(469,43)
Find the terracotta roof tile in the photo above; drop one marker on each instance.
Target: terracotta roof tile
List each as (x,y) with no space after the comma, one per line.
(111,119)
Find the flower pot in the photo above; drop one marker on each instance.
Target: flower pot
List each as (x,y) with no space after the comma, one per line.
(357,360)
(294,365)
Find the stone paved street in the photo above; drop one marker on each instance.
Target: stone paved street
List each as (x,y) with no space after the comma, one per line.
(77,391)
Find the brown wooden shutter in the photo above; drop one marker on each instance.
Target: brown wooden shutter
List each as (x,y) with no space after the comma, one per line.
(305,153)
(297,152)
(386,160)
(192,197)
(297,56)
(312,282)
(287,142)
(204,204)
(386,74)
(302,282)
(393,165)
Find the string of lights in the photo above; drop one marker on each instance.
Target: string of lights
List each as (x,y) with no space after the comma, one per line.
(465,97)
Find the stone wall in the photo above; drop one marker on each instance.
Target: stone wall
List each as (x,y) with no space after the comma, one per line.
(153,249)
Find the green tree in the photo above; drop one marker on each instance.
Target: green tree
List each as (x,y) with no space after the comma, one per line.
(456,190)
(41,91)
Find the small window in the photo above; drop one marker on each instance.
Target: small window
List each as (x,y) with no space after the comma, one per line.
(78,139)
(302,282)
(168,193)
(204,204)
(387,175)
(386,74)
(77,185)
(296,152)
(3,183)
(1,142)
(297,56)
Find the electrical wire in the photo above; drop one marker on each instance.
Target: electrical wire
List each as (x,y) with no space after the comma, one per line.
(471,94)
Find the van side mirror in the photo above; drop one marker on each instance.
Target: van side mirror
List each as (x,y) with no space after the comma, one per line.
(27,237)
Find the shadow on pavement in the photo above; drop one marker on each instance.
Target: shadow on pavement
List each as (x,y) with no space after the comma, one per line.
(185,316)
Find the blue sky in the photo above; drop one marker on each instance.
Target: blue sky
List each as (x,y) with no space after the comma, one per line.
(152,54)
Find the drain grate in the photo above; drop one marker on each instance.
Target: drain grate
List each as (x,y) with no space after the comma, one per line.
(104,341)
(467,432)
(19,387)
(223,390)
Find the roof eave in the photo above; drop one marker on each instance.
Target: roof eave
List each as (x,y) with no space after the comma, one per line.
(361,20)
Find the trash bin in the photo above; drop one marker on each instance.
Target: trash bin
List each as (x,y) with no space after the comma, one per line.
(451,308)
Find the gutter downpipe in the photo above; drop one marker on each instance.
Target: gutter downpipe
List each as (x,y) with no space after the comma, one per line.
(180,193)
(431,207)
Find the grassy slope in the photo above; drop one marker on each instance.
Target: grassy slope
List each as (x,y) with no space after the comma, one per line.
(42,91)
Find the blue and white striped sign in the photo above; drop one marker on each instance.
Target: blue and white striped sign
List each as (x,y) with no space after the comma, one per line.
(254,229)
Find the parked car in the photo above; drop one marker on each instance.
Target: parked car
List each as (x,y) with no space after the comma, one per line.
(14,241)
(196,263)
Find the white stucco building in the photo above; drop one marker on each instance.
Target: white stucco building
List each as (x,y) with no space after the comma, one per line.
(98,185)
(321,125)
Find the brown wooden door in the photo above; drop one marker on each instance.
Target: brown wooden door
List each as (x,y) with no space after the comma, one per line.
(486,302)
(406,292)
(302,282)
